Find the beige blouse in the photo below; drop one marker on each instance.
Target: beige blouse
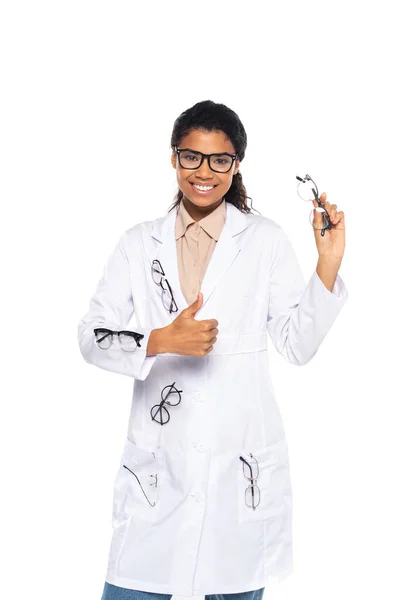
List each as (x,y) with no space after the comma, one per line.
(195,243)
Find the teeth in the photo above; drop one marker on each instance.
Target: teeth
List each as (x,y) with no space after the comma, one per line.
(203,188)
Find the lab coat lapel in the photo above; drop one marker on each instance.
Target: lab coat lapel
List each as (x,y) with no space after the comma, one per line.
(225,252)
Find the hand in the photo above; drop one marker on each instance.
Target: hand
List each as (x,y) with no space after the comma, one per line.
(331,245)
(187,336)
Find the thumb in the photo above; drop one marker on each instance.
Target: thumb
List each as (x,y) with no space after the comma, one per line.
(196,305)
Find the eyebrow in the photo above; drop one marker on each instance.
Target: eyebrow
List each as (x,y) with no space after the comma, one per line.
(191,149)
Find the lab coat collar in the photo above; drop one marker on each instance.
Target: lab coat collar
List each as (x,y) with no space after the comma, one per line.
(211,223)
(226,250)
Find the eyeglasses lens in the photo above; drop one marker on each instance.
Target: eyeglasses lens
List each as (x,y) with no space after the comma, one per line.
(156,273)
(103,339)
(160,414)
(128,342)
(305,190)
(171,396)
(319,218)
(167,300)
(254,472)
(250,499)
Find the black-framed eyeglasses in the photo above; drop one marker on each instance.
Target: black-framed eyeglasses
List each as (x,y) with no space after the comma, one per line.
(155,484)
(220,162)
(159,412)
(251,471)
(157,272)
(128,340)
(307,190)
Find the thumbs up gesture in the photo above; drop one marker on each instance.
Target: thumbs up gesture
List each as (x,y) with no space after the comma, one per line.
(188,336)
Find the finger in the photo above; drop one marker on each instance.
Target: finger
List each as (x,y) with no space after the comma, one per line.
(332,211)
(317,216)
(338,217)
(322,197)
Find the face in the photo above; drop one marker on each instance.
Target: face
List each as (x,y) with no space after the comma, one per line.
(208,142)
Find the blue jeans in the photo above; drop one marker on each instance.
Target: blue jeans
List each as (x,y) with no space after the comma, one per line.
(113,592)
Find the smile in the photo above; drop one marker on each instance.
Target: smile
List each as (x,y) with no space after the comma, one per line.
(203,189)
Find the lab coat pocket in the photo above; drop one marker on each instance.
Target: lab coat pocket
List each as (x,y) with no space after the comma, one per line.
(136,489)
(267,498)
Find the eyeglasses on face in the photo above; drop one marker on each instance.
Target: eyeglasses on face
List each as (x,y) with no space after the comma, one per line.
(220,162)
(128,340)
(307,190)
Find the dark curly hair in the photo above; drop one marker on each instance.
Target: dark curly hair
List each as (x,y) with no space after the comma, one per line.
(211,116)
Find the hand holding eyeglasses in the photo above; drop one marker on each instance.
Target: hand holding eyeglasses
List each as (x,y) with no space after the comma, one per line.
(332,244)
(328,223)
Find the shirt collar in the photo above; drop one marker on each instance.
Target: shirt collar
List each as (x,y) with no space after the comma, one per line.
(211,223)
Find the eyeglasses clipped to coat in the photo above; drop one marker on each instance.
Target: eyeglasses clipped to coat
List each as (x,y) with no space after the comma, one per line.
(167,296)
(251,472)
(127,340)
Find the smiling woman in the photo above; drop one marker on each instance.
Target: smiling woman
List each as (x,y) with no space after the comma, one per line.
(207,283)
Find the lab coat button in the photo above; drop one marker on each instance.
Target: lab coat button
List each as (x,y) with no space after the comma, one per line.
(198,496)
(200,447)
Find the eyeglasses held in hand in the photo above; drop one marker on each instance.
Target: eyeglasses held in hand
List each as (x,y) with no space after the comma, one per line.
(251,472)
(161,415)
(307,190)
(157,272)
(220,162)
(128,340)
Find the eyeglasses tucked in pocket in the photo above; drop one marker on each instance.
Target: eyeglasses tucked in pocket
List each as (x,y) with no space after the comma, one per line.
(136,488)
(263,482)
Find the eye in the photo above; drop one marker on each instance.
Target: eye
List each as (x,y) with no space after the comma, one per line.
(189,156)
(221,160)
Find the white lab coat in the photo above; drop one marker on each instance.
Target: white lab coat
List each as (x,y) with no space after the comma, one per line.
(200,537)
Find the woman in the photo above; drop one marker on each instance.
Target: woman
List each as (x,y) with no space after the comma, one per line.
(202,499)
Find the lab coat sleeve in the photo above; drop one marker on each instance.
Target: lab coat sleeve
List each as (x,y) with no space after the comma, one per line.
(299,315)
(112,307)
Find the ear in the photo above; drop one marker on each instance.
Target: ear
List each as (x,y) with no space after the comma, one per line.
(237,164)
(173,159)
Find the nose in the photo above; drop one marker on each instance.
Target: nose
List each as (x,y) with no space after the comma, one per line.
(204,171)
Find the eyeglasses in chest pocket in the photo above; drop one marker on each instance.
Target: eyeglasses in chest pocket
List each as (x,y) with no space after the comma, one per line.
(263,482)
(137,484)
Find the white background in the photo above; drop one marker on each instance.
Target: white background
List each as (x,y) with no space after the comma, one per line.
(89,94)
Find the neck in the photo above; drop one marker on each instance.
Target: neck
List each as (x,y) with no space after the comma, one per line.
(199,212)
